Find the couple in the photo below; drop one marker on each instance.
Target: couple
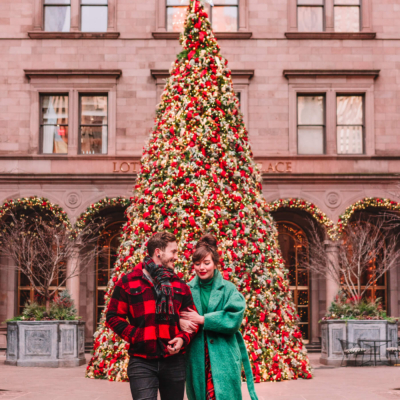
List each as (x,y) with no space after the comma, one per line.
(181,332)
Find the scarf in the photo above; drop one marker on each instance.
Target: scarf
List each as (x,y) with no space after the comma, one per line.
(161,277)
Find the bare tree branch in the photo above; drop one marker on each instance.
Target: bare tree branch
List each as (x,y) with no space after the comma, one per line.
(368,248)
(40,247)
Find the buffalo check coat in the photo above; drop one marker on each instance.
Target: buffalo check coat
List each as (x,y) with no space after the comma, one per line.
(148,333)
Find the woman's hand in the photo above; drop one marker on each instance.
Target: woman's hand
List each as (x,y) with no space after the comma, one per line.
(187,326)
(192,316)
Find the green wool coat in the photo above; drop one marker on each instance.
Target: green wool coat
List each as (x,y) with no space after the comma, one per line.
(225,344)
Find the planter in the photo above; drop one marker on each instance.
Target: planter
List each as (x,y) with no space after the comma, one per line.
(45,343)
(353,330)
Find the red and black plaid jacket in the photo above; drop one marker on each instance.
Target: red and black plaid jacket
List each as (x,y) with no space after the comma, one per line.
(134,298)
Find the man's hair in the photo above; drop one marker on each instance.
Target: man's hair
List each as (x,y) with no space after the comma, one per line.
(159,241)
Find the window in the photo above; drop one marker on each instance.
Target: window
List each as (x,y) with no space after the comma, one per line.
(350,124)
(347,15)
(108,249)
(94,15)
(294,248)
(224,15)
(93,124)
(26,292)
(54,124)
(57,15)
(310,15)
(310,124)
(176,14)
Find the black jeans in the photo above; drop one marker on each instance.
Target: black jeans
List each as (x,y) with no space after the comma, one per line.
(168,375)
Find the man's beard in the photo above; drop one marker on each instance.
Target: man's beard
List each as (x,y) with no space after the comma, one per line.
(165,261)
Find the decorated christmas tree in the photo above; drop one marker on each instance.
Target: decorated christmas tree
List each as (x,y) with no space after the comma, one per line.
(198,175)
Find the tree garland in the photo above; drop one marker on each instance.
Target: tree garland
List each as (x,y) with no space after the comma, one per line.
(36,202)
(362,205)
(310,208)
(95,208)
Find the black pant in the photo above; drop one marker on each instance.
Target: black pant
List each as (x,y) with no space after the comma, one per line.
(168,375)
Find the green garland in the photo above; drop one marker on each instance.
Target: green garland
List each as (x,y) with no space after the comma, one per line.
(362,205)
(308,207)
(33,202)
(95,208)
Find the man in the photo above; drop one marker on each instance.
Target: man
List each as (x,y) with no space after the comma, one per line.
(152,298)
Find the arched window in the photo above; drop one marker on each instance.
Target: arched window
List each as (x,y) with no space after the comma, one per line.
(108,243)
(27,293)
(378,284)
(294,248)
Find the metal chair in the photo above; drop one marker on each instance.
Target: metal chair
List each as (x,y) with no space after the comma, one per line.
(351,349)
(393,351)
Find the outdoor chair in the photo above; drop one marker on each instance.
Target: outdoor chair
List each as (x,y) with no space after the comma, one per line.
(393,352)
(351,349)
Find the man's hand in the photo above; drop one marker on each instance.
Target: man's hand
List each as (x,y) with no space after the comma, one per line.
(192,316)
(187,326)
(175,345)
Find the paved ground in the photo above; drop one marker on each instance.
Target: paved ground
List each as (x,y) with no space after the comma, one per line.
(351,383)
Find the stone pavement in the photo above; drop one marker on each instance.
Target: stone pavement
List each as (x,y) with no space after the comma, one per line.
(351,383)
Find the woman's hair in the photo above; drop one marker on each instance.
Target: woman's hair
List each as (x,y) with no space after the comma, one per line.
(205,246)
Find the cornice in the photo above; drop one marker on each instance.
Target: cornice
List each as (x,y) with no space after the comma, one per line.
(218,35)
(292,73)
(110,73)
(236,73)
(73,35)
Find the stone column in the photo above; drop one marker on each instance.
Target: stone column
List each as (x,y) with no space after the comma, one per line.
(332,254)
(73,283)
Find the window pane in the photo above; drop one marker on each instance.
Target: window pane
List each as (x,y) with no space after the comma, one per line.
(349,110)
(54,124)
(226,2)
(57,19)
(347,2)
(94,19)
(57,2)
(177,2)
(55,139)
(54,110)
(310,110)
(94,2)
(347,19)
(310,2)
(94,139)
(225,19)
(175,18)
(350,139)
(310,19)
(310,139)
(94,110)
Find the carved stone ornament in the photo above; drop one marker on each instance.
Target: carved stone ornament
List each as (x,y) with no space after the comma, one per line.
(73,199)
(333,199)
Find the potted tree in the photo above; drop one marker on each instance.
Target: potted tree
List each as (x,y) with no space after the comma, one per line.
(367,249)
(49,332)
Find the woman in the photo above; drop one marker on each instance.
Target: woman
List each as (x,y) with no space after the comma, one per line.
(215,356)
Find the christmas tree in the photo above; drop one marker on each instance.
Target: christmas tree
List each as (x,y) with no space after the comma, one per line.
(198,175)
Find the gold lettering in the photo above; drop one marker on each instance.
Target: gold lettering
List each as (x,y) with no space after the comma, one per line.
(288,167)
(124,170)
(276,166)
(133,166)
(115,166)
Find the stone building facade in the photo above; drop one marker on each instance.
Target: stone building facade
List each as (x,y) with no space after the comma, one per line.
(319,88)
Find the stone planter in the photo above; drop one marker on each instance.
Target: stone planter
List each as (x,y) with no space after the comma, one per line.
(45,343)
(332,330)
